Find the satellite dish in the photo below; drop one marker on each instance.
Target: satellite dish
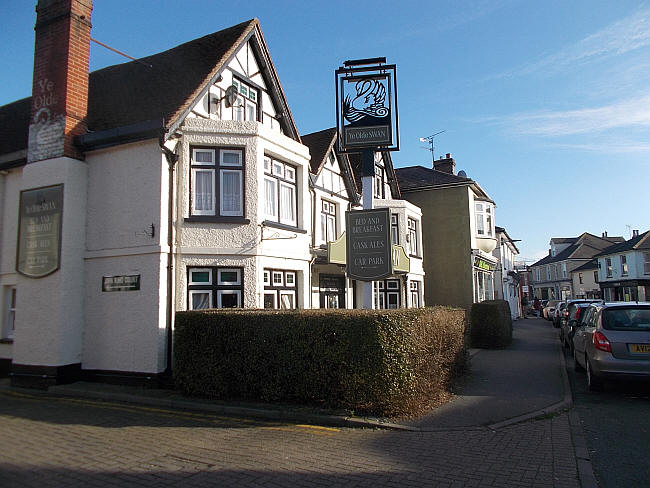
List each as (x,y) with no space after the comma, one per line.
(231,96)
(462,173)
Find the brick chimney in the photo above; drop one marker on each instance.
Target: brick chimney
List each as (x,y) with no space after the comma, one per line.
(446,164)
(60,87)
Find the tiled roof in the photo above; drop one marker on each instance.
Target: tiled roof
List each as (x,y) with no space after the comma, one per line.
(131,93)
(585,247)
(14,126)
(642,241)
(417,177)
(589,266)
(319,143)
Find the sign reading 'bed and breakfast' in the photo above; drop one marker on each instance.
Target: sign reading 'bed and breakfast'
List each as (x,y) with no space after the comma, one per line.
(39,232)
(369,247)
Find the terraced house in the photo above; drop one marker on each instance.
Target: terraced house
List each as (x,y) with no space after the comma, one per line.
(552,275)
(178,181)
(624,269)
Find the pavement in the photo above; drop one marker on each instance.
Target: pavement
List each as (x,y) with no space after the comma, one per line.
(525,383)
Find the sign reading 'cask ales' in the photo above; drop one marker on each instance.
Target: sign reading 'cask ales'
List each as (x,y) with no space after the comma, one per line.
(369,247)
(39,233)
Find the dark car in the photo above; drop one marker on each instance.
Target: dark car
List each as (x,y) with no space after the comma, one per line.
(575,316)
(614,342)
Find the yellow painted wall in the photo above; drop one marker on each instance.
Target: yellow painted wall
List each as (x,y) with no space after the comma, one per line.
(446,238)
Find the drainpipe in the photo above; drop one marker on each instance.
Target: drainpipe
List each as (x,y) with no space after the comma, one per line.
(172,159)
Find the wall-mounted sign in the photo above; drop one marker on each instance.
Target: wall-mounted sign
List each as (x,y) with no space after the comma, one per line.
(39,231)
(366,101)
(369,247)
(121,283)
(481,263)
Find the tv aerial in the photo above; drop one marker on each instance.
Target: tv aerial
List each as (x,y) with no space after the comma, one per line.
(430,139)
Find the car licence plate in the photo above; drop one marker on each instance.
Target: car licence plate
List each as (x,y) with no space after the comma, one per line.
(640,348)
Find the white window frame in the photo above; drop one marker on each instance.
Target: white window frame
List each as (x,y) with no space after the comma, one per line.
(564,270)
(217,168)
(328,217)
(414,292)
(200,270)
(200,292)
(624,266)
(609,269)
(289,293)
(213,202)
(228,283)
(277,283)
(220,293)
(291,274)
(236,152)
(266,277)
(484,219)
(646,263)
(412,236)
(284,177)
(240,210)
(548,272)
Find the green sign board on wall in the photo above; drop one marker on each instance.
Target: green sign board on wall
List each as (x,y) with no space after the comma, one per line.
(39,232)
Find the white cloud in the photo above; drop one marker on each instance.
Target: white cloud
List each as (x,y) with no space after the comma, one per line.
(623,36)
(630,113)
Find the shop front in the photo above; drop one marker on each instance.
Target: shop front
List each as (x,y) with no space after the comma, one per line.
(483,268)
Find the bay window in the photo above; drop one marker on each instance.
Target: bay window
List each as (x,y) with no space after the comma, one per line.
(214,287)
(484,220)
(217,182)
(280,201)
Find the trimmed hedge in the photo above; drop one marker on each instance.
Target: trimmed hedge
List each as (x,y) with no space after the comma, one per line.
(392,362)
(490,324)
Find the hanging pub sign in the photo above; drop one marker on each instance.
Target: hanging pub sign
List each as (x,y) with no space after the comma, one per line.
(39,231)
(366,105)
(369,246)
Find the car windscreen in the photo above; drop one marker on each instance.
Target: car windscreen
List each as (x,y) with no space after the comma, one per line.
(627,318)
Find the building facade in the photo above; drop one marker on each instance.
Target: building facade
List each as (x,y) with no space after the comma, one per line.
(506,275)
(552,275)
(175,183)
(458,235)
(624,270)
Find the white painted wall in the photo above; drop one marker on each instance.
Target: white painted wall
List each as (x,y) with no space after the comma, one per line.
(50,310)
(127,192)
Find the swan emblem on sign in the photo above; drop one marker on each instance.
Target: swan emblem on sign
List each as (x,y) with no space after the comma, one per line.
(369,101)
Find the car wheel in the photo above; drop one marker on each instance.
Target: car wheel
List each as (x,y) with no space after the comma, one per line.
(577,366)
(593,383)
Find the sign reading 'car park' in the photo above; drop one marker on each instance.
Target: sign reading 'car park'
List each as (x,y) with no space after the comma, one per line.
(369,246)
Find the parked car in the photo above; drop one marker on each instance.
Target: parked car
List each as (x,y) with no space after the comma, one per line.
(614,342)
(577,314)
(558,314)
(549,308)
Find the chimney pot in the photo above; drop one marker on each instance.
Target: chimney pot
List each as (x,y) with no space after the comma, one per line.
(448,155)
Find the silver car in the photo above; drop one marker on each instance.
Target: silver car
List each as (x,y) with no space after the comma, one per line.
(614,342)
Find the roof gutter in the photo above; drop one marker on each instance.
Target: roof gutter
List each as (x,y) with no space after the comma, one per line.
(147,129)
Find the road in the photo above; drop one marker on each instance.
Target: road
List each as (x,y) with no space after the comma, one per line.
(616,423)
(49,442)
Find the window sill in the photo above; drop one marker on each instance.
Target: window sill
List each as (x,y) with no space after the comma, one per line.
(6,341)
(217,220)
(277,225)
(416,256)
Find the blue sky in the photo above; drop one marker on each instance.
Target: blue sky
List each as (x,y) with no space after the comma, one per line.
(545,104)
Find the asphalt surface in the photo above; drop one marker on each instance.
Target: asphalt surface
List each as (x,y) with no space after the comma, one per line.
(508,426)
